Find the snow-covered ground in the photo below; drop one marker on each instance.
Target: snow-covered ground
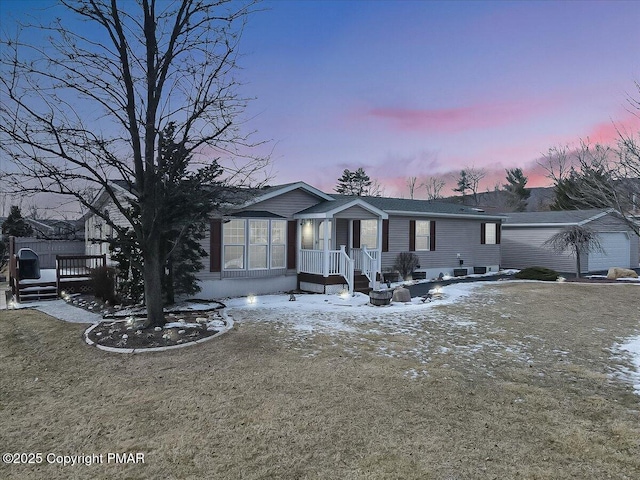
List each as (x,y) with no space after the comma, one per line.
(630,348)
(383,329)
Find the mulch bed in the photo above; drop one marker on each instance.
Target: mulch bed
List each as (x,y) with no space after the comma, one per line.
(121,329)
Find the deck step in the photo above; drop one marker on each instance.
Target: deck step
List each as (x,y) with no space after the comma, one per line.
(38,291)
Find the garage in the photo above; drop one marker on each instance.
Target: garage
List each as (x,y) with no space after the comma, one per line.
(616,253)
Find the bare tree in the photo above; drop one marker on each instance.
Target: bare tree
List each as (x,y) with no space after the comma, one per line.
(578,239)
(89,106)
(433,187)
(557,163)
(474,176)
(412,183)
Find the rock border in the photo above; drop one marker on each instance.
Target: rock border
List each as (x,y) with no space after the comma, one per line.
(228,320)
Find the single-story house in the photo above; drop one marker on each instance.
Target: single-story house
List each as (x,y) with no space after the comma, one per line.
(524,235)
(296,236)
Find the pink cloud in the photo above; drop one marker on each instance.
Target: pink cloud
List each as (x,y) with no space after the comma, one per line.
(609,132)
(451,120)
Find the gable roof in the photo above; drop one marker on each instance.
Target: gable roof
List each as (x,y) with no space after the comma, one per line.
(265,193)
(558,218)
(338,204)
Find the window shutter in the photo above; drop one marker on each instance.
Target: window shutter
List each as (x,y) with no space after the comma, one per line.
(356,234)
(412,235)
(385,235)
(432,235)
(215,245)
(498,232)
(483,233)
(292,245)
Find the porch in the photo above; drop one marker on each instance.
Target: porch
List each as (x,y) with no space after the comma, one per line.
(340,246)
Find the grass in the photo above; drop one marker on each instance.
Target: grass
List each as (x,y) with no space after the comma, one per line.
(525,392)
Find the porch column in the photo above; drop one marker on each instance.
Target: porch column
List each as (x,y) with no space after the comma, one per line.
(325,248)
(379,259)
(298,244)
(350,242)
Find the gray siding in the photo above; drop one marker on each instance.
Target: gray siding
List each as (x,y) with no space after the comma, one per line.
(342,233)
(523,247)
(286,205)
(453,236)
(635,249)
(356,212)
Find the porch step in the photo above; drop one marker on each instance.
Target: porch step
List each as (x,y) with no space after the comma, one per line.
(361,284)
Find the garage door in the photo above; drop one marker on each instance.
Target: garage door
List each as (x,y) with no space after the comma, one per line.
(616,252)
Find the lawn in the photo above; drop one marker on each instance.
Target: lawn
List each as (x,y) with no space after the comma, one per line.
(516,380)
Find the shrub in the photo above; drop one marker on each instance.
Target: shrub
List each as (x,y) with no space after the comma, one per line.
(104,284)
(406,263)
(537,273)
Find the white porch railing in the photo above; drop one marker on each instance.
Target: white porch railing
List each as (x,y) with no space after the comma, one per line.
(369,265)
(335,262)
(311,261)
(356,254)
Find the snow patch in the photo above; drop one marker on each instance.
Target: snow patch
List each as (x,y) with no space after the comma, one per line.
(631,348)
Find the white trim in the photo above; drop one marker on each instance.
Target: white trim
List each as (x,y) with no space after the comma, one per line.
(354,203)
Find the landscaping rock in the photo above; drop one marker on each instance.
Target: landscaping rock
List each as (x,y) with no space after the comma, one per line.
(617,272)
(401,294)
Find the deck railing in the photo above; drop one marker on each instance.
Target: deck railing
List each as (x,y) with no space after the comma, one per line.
(74,271)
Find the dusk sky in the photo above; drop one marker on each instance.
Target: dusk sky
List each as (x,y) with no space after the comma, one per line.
(419,88)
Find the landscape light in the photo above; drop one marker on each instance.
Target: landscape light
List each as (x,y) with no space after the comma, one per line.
(251,299)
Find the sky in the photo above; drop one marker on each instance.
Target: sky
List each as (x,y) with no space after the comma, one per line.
(426,88)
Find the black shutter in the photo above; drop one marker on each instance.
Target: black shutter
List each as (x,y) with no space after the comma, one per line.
(385,235)
(292,245)
(356,234)
(432,235)
(215,245)
(483,233)
(412,235)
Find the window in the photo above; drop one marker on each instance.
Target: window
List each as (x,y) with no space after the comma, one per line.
(423,235)
(278,243)
(234,241)
(258,243)
(369,233)
(490,234)
(254,244)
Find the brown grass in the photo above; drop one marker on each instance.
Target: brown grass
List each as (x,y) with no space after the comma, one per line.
(499,399)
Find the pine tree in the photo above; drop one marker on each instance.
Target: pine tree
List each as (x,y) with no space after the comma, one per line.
(354,183)
(15,225)
(463,184)
(186,203)
(516,188)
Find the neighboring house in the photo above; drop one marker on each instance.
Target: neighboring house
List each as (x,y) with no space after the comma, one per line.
(96,229)
(524,234)
(51,229)
(295,236)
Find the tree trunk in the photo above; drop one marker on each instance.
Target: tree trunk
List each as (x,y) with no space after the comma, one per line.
(577,262)
(153,284)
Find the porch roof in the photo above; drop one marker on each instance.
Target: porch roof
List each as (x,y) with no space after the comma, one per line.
(329,208)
